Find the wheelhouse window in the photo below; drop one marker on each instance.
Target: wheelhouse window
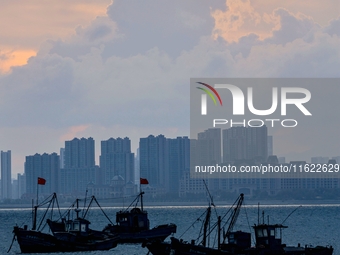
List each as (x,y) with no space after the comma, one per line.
(83,227)
(76,226)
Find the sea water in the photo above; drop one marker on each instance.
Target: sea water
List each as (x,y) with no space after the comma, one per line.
(307,225)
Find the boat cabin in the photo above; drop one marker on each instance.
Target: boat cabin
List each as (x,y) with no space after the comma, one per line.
(240,239)
(269,236)
(78,225)
(133,220)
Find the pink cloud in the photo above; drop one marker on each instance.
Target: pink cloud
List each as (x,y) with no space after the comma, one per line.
(73,132)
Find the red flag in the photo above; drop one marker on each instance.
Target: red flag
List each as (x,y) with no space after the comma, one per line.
(41,181)
(144,181)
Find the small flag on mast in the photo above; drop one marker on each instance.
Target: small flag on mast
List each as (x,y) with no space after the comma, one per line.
(144,181)
(41,181)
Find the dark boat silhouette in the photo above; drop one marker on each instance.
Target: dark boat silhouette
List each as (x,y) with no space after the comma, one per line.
(68,235)
(268,240)
(200,245)
(133,226)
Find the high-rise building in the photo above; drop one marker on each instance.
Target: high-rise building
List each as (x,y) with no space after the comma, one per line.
(245,143)
(79,170)
(319,160)
(282,160)
(270,145)
(337,159)
(15,194)
(137,168)
(207,150)
(79,153)
(178,162)
(6,176)
(209,146)
(152,159)
(116,159)
(257,143)
(45,166)
(163,161)
(62,157)
(234,144)
(21,185)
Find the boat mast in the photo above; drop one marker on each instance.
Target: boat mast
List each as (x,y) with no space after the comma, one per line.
(234,216)
(77,209)
(141,200)
(206,222)
(35,208)
(219,233)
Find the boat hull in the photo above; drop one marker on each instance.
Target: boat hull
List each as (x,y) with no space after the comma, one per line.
(157,233)
(31,241)
(179,247)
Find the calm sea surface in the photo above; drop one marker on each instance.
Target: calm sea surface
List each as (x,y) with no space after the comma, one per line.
(309,224)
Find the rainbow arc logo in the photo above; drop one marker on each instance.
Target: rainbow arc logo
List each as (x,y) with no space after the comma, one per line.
(211,95)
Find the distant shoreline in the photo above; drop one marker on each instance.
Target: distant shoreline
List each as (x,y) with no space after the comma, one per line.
(200,203)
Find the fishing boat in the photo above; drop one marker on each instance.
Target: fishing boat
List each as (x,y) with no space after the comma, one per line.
(67,235)
(268,239)
(133,226)
(198,246)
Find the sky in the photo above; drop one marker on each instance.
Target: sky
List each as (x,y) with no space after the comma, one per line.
(122,68)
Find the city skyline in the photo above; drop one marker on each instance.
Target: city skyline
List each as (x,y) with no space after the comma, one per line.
(98,152)
(164,162)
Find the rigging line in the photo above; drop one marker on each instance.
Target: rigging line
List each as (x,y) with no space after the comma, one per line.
(58,206)
(198,219)
(68,210)
(85,201)
(245,209)
(11,244)
(291,214)
(229,219)
(88,207)
(230,208)
(211,198)
(200,234)
(41,221)
(114,198)
(47,200)
(103,211)
(137,198)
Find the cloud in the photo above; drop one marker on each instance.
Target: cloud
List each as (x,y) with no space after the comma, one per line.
(98,33)
(128,73)
(172,27)
(76,82)
(291,27)
(10,58)
(333,28)
(74,131)
(25,26)
(241,19)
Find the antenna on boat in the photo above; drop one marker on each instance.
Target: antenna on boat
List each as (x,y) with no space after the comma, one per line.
(77,209)
(263,217)
(85,200)
(141,200)
(258,213)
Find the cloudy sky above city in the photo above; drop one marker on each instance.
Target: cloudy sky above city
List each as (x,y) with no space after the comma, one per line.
(106,69)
